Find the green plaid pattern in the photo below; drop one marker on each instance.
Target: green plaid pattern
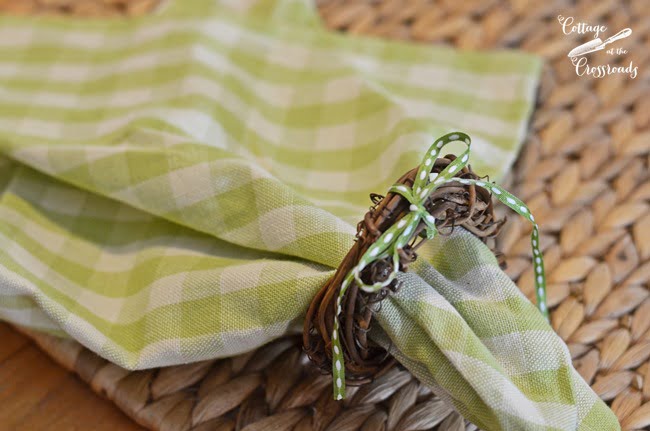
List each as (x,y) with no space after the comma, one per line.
(489,352)
(177,187)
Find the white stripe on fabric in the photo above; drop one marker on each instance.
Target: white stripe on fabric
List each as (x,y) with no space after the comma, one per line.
(518,352)
(31,318)
(501,394)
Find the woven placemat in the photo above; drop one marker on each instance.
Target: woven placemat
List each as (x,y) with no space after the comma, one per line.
(583,172)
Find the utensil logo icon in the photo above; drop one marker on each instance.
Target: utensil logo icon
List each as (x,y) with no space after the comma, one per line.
(578,55)
(597,44)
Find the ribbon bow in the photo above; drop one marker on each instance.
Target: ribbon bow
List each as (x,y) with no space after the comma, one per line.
(401,233)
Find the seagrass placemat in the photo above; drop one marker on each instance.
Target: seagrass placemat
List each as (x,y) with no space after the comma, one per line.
(583,172)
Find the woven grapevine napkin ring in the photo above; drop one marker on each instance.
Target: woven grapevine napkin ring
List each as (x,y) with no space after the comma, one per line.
(432,199)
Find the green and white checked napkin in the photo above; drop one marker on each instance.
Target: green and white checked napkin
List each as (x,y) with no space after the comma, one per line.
(177,187)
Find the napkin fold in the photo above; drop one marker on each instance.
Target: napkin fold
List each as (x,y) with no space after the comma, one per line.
(482,346)
(177,187)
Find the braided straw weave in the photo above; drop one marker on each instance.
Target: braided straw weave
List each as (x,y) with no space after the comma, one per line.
(584,173)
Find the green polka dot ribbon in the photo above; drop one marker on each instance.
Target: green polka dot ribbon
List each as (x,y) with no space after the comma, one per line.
(402,233)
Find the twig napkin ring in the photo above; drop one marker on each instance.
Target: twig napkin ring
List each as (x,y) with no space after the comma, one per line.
(431,199)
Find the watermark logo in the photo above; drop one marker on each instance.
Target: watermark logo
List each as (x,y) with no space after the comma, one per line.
(579,54)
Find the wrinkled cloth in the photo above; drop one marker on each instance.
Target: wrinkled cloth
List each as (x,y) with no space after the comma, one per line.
(177,187)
